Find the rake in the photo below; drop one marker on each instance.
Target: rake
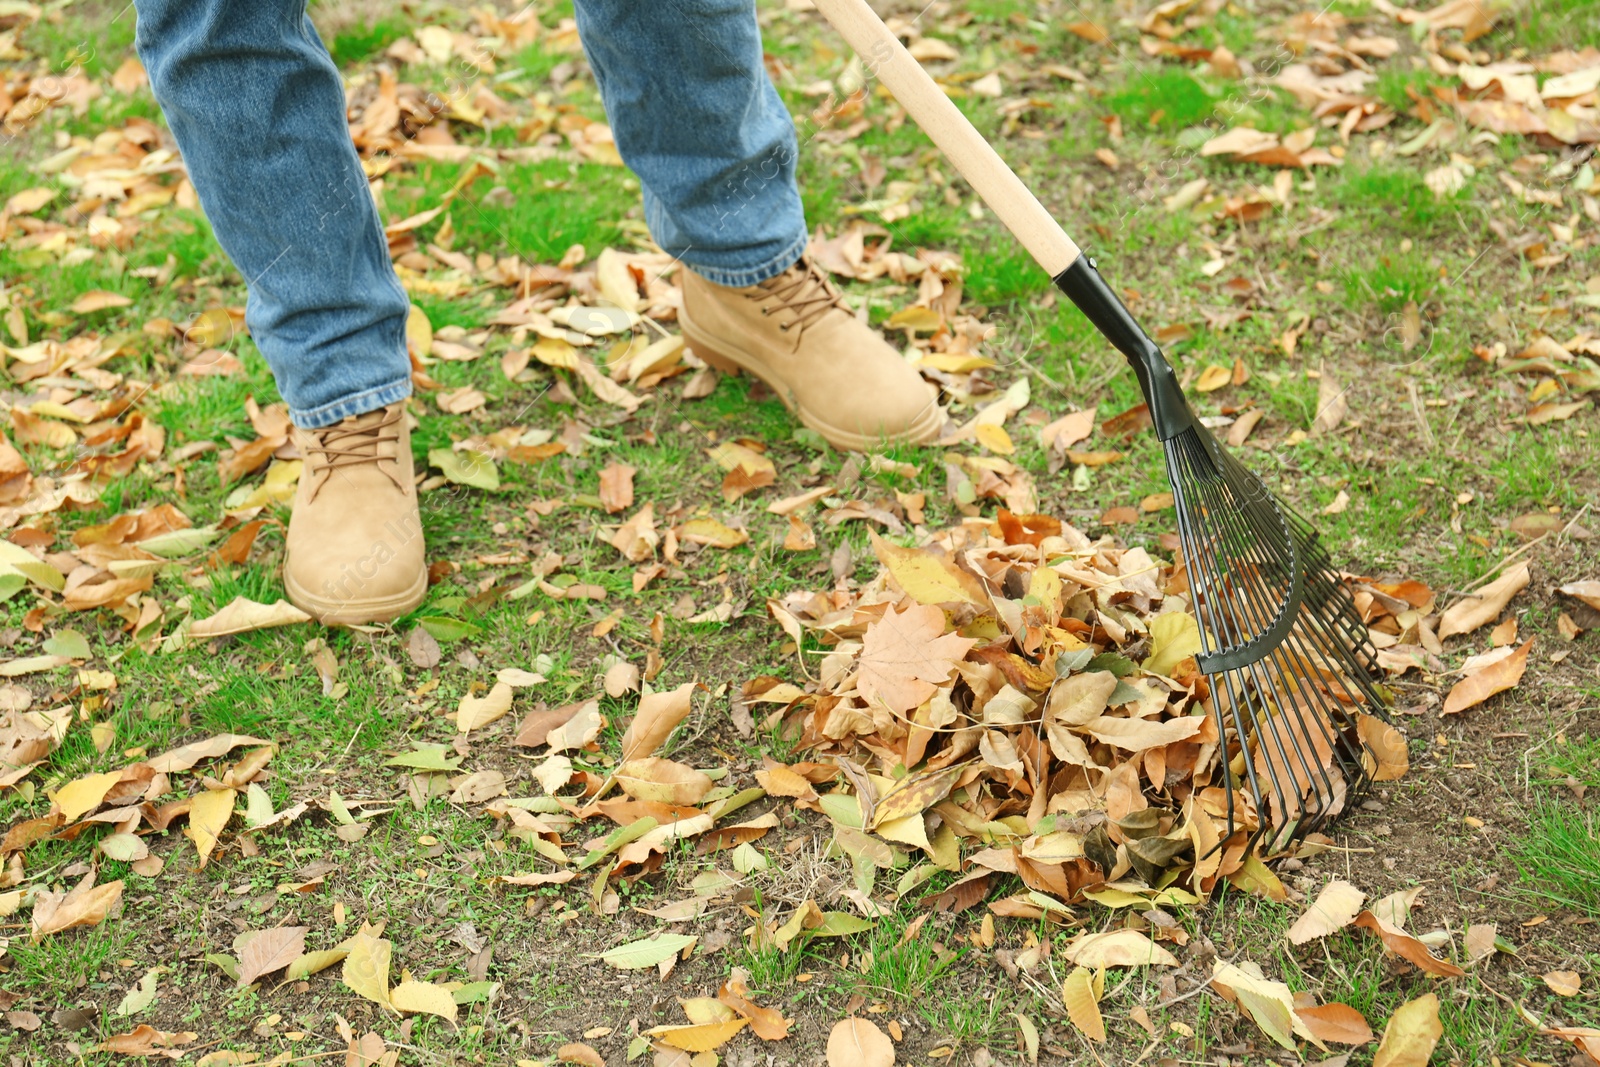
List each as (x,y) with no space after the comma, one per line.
(1286,653)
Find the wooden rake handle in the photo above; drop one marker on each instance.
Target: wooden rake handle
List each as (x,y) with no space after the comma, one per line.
(887,60)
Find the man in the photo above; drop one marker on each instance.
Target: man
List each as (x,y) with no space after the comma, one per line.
(258,110)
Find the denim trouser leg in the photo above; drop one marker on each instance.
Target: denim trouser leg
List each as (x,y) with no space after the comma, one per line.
(698,120)
(258,110)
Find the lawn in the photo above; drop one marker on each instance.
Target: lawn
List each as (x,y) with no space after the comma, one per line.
(1388,300)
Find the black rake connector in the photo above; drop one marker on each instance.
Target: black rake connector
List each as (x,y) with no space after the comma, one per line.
(1286,652)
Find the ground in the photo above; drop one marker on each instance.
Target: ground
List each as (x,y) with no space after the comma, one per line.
(1403,278)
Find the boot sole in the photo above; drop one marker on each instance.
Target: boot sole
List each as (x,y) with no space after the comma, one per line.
(730,359)
(356,612)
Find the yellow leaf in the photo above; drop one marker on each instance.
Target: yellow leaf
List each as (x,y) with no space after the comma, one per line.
(711,532)
(658,715)
(98,300)
(615,280)
(77,798)
(423,997)
(1335,908)
(1174,637)
(1269,1004)
(698,1037)
(242,615)
(208,815)
(859,1043)
(915,319)
(706,1010)
(476,712)
(1413,1031)
(930,575)
(1118,948)
(366,967)
(553,352)
(663,781)
(419,333)
(731,455)
(1077,993)
(1214,377)
(914,794)
(994,438)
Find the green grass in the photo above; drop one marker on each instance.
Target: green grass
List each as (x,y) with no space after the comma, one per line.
(1552,24)
(1396,84)
(1166,98)
(541,210)
(1386,194)
(1560,855)
(1576,758)
(352,44)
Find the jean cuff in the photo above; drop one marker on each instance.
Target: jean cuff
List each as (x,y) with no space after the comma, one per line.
(359,404)
(748,276)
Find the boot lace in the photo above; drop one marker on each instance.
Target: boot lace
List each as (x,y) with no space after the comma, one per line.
(802,289)
(354,443)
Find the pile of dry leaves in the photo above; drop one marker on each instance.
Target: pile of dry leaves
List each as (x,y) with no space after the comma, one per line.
(1019,686)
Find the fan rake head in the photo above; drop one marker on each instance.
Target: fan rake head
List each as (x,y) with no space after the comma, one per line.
(1287,654)
(1286,651)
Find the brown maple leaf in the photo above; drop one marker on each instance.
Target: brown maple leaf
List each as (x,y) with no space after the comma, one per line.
(905,654)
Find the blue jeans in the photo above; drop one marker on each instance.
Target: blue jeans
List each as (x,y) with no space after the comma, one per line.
(258,110)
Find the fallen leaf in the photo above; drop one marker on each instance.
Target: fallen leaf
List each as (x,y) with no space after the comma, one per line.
(268,950)
(1403,944)
(86,904)
(1563,983)
(1118,948)
(903,654)
(1484,606)
(1339,1023)
(209,814)
(366,967)
(658,715)
(1332,405)
(699,1037)
(141,996)
(423,997)
(243,615)
(1482,684)
(98,300)
(1083,1007)
(579,730)
(1214,377)
(929,576)
(1269,1004)
(82,795)
(616,487)
(663,781)
(711,532)
(534,730)
(1411,1035)
(466,467)
(476,712)
(146,1040)
(1335,908)
(857,1042)
(766,1023)
(1588,592)
(579,1053)
(646,952)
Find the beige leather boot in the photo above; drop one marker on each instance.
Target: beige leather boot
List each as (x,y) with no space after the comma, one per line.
(795,333)
(355,551)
